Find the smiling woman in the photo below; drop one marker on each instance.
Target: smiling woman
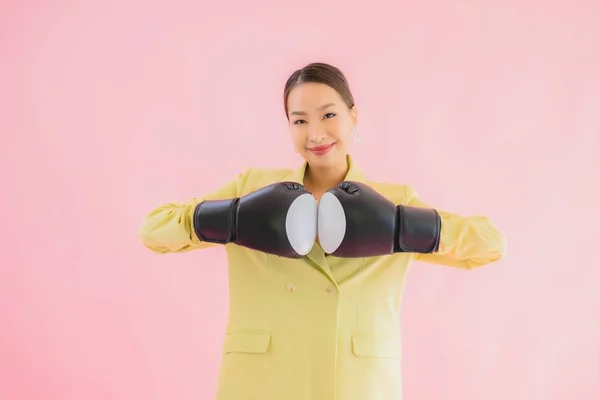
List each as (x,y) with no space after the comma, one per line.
(317,257)
(323,117)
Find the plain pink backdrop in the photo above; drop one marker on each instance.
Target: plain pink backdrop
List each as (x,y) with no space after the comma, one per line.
(108,109)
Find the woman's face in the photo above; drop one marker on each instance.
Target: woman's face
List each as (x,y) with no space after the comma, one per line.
(321,124)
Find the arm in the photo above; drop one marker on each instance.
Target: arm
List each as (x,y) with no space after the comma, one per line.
(466,242)
(169,227)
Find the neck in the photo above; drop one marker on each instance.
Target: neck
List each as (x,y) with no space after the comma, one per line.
(319,180)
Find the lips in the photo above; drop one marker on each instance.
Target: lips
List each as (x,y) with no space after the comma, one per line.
(321,148)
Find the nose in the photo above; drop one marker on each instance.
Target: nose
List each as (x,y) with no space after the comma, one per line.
(316,133)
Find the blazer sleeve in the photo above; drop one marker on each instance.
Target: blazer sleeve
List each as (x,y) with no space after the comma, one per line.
(168,228)
(466,241)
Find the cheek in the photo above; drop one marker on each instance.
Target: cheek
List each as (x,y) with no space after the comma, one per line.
(298,136)
(340,131)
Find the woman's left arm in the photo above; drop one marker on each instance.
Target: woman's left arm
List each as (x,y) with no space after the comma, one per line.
(465,242)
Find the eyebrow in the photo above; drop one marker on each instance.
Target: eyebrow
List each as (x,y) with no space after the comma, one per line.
(318,109)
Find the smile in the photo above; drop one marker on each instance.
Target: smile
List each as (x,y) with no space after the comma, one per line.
(320,150)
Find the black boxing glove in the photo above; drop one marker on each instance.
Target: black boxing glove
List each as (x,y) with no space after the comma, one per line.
(279,219)
(356,221)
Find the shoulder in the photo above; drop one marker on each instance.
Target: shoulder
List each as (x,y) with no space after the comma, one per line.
(254,178)
(398,193)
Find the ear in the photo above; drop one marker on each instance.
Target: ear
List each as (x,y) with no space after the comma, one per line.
(354,115)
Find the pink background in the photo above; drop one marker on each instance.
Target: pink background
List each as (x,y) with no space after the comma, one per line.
(108,109)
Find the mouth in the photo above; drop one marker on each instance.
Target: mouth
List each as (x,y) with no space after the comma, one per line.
(321,149)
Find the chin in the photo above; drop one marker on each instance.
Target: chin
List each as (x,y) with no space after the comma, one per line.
(326,160)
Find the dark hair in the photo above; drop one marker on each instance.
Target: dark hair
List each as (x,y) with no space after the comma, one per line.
(319,73)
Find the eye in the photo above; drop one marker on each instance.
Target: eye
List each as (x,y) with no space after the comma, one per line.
(329,115)
(298,122)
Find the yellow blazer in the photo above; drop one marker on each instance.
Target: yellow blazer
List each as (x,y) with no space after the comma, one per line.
(319,327)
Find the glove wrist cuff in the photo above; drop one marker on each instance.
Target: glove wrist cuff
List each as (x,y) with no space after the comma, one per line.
(215,221)
(418,230)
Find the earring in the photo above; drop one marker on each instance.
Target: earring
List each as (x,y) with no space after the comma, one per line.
(356,135)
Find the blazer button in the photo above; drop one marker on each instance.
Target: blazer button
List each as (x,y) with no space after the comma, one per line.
(331,289)
(291,287)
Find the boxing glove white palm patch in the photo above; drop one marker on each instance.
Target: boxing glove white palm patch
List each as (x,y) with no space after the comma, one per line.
(301,223)
(332,223)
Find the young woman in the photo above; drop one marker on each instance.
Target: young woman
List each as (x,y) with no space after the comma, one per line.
(317,258)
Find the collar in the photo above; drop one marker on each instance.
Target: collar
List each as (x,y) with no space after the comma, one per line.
(354,173)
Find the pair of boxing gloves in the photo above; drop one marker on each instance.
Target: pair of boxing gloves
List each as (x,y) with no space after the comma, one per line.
(350,220)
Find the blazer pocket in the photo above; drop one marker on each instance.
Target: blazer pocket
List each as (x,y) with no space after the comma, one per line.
(377,346)
(247,342)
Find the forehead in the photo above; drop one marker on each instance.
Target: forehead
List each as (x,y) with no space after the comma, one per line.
(312,95)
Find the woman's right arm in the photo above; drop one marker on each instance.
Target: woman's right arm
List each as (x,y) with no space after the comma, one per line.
(168,228)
